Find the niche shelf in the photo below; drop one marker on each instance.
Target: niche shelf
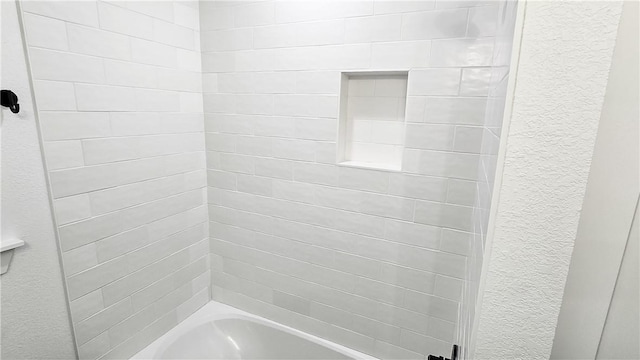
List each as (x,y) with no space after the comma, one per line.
(372,119)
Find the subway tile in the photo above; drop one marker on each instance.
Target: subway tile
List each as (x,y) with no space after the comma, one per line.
(55,95)
(174,35)
(448,287)
(363,179)
(431,305)
(483,21)
(316,129)
(130,74)
(105,98)
(274,168)
(430,136)
(306,105)
(423,344)
(161,10)
(445,215)
(127,285)
(226,40)
(255,185)
(100,322)
(455,165)
(74,125)
(84,13)
(274,82)
(411,233)
(420,187)
(315,173)
(461,52)
(449,110)
(152,53)
(254,14)
(338,198)
(418,280)
(90,230)
(388,7)
(461,192)
(439,24)
(55,65)
(130,326)
(63,154)
(95,347)
(221,179)
(401,55)
(86,306)
(94,278)
(387,206)
(385,350)
(100,151)
(468,139)
(124,21)
(79,180)
(291,302)
(434,82)
(455,241)
(121,244)
(317,82)
(319,33)
(79,259)
(293,149)
(292,11)
(72,208)
(254,145)
(373,29)
(96,42)
(475,82)
(45,32)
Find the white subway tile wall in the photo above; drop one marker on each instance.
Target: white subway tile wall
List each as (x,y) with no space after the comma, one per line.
(119,92)
(502,17)
(373,260)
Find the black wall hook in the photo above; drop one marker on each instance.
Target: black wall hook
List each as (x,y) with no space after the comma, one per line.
(10,100)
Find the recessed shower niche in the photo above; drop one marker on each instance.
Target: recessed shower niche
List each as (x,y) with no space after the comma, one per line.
(372,119)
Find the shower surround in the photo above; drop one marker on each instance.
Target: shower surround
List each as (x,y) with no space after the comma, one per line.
(371,259)
(158,213)
(118,91)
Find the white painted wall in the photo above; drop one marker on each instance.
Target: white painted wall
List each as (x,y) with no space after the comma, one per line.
(118,90)
(557,103)
(609,203)
(621,334)
(35,318)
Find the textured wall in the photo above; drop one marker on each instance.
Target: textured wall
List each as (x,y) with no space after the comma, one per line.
(607,213)
(118,90)
(557,103)
(371,259)
(35,318)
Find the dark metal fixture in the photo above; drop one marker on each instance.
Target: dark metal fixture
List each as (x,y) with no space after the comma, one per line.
(10,100)
(454,355)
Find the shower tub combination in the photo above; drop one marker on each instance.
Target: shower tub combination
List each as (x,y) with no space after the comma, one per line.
(219,331)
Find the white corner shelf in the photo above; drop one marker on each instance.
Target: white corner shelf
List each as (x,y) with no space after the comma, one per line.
(6,252)
(10,244)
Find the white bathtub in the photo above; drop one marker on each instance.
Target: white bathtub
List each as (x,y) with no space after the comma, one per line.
(219,331)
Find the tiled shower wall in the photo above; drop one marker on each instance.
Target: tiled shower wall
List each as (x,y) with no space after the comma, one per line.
(118,89)
(492,127)
(374,260)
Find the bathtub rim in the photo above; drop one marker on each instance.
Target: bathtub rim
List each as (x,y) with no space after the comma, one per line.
(213,311)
